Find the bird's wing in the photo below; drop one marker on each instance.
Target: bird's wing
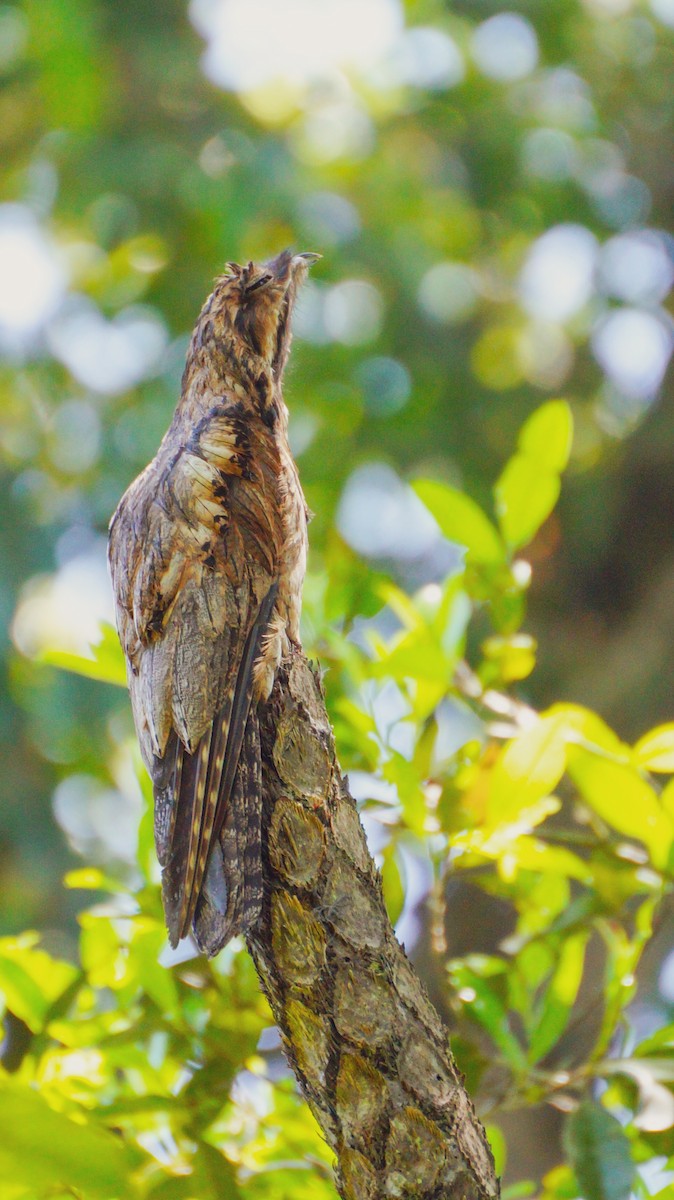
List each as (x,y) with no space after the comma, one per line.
(201,783)
(193,553)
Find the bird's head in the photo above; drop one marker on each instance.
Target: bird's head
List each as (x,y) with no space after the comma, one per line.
(254,303)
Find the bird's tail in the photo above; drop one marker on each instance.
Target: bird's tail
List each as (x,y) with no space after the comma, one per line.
(231,894)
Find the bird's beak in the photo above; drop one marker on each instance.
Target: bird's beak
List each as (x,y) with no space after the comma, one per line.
(308,258)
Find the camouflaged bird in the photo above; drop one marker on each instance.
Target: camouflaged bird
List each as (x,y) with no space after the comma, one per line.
(207,556)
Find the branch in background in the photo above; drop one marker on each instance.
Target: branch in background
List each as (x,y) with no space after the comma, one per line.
(368,1048)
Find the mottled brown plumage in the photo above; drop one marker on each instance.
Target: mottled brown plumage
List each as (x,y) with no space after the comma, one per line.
(207,556)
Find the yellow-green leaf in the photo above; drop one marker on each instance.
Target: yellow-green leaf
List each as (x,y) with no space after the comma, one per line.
(500,840)
(31,980)
(582,726)
(394,890)
(529,768)
(526,493)
(91,879)
(498,1147)
(462,521)
(621,797)
(532,854)
(528,487)
(106,662)
(655,750)
(546,436)
(45,1150)
(560,995)
(147,941)
(513,657)
(667,799)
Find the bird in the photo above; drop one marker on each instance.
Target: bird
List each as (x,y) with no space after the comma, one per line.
(207,554)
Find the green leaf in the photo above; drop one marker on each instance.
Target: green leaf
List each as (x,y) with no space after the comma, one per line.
(560,996)
(656,1102)
(417,655)
(31,980)
(106,663)
(599,1153)
(498,1147)
(461,520)
(657,1043)
(147,941)
(100,951)
(405,776)
(482,1003)
(655,750)
(560,1184)
(92,879)
(547,435)
(584,727)
(401,604)
(621,797)
(529,768)
(508,658)
(394,890)
(526,494)
(532,854)
(528,487)
(212,1177)
(44,1149)
(523,1190)
(282,1181)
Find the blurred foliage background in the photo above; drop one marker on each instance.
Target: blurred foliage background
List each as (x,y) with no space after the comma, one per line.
(491,187)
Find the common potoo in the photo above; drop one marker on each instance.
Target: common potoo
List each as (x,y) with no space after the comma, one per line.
(207,556)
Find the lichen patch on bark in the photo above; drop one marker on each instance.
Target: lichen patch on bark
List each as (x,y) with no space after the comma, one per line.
(350,906)
(415,1154)
(298,940)
(296,842)
(361,1097)
(364,1009)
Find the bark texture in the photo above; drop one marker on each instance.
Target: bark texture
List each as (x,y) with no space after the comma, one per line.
(368,1048)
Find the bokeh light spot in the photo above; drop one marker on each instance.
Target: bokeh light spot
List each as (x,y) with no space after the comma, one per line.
(549,154)
(386,385)
(557,279)
(329,218)
(338,130)
(427,58)
(633,349)
(253,42)
(448,292)
(64,611)
(381,516)
(546,353)
(637,267)
(100,822)
(505,47)
(664,10)
(14,34)
(32,278)
(107,356)
(75,436)
(353,312)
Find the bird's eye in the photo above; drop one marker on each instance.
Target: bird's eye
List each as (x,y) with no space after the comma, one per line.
(258,283)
